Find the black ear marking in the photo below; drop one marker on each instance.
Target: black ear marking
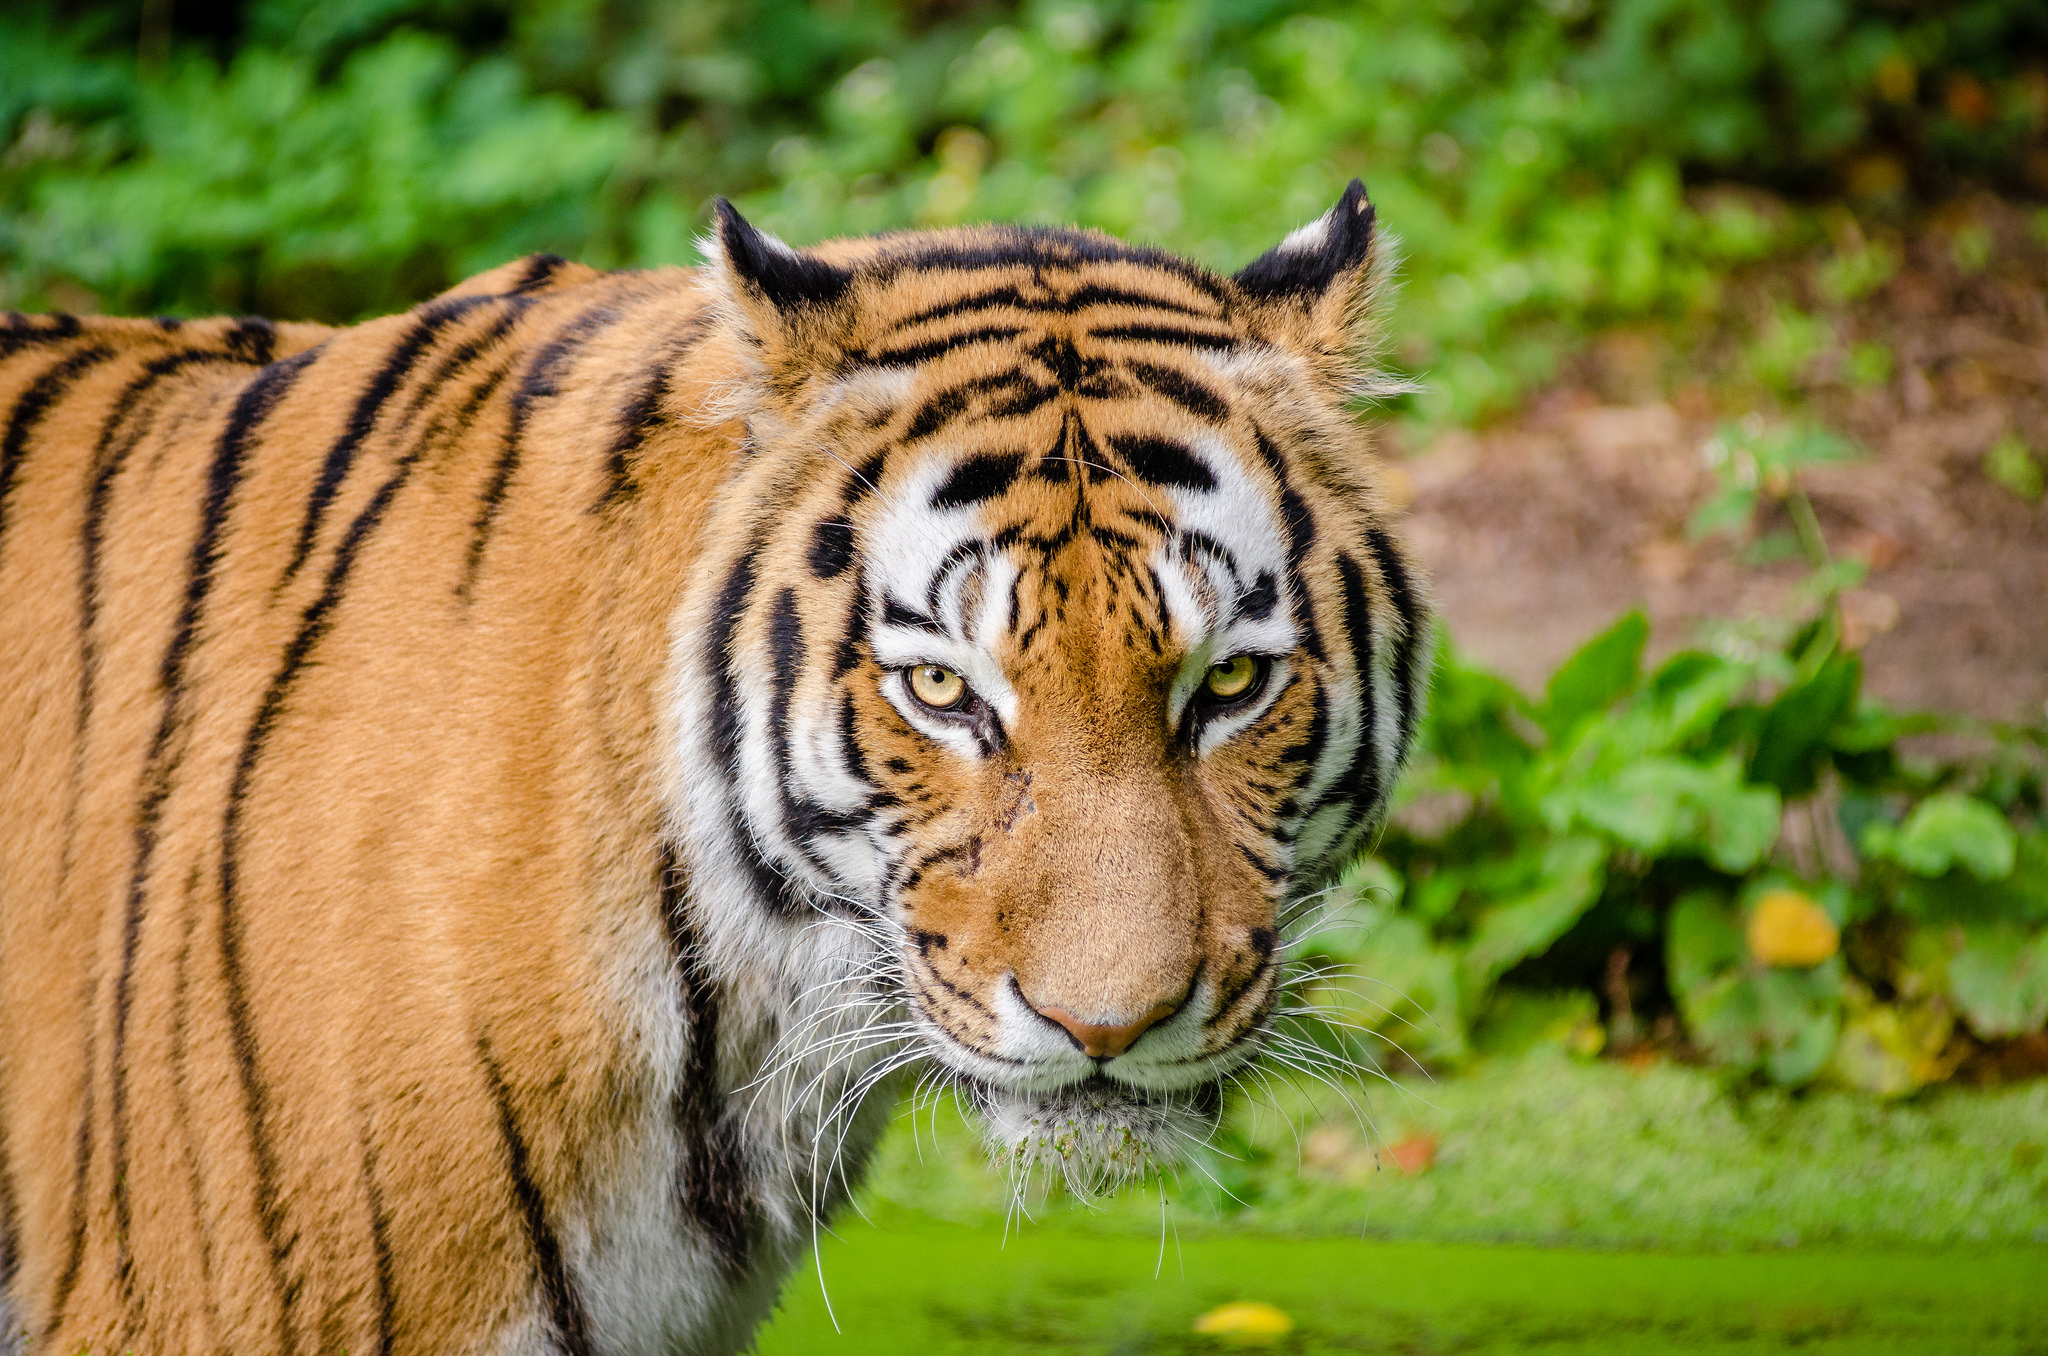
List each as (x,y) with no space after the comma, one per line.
(1308,262)
(788,278)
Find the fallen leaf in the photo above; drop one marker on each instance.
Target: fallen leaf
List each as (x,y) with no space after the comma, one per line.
(1414,1154)
(1788,929)
(1245,1323)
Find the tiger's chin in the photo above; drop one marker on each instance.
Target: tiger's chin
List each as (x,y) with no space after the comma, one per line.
(1095,1136)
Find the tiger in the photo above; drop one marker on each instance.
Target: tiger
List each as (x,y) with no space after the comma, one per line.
(502,799)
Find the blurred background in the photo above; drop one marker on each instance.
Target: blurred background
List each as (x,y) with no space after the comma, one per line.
(1699,983)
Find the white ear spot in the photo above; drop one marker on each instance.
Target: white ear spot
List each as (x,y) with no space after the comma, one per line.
(1308,239)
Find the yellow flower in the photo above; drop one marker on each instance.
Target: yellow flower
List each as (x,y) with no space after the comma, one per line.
(1245,1323)
(1787,928)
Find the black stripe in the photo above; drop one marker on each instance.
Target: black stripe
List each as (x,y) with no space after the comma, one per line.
(1361,780)
(1182,390)
(166,752)
(979,477)
(733,597)
(1262,866)
(915,355)
(314,623)
(538,384)
(896,614)
(770,885)
(20,331)
(1041,246)
(29,409)
(714,1190)
(341,456)
(539,269)
(641,416)
(1160,461)
(1301,535)
(181,1098)
(1008,297)
(81,1169)
(1165,334)
(252,340)
(941,410)
(382,1271)
(1395,576)
(565,1304)
(832,546)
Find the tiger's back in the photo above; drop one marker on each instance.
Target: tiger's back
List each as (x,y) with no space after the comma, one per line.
(236,561)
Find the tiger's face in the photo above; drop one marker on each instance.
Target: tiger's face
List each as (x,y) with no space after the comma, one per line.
(1091,657)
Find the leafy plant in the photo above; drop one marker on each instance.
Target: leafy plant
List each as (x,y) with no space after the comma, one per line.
(1624,834)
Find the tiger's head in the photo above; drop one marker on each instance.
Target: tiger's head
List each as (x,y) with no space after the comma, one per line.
(1056,641)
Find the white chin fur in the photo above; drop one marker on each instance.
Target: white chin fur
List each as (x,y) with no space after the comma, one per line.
(1091,1137)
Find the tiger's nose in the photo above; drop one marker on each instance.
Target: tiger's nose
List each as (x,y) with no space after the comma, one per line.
(1106,1040)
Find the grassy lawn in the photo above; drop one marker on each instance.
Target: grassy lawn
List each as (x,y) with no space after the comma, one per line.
(1570,1206)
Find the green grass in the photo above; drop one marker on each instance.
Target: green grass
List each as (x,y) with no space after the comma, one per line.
(1544,1148)
(1573,1206)
(930,1289)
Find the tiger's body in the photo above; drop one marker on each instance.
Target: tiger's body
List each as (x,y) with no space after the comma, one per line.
(476,861)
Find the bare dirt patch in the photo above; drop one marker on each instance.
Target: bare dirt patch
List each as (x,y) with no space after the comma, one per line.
(1538,532)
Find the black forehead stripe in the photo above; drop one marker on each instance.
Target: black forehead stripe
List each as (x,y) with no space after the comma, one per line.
(1402,594)
(865,478)
(1008,297)
(941,410)
(831,548)
(1194,541)
(1026,396)
(1257,602)
(980,477)
(1159,461)
(913,355)
(951,403)
(896,614)
(1044,247)
(1165,334)
(1182,390)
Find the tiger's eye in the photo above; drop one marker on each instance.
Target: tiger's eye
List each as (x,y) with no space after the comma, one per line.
(940,689)
(1232,678)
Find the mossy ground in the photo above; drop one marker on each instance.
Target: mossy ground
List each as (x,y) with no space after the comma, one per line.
(1570,1206)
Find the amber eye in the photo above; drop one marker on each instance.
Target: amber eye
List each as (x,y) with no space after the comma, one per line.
(1232,678)
(940,689)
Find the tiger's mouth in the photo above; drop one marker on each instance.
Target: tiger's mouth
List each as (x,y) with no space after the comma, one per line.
(1096,1135)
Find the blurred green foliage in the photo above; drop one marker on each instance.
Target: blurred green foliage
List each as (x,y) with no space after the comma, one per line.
(1549,167)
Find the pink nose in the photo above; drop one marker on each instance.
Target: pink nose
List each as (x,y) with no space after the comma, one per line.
(1104,1041)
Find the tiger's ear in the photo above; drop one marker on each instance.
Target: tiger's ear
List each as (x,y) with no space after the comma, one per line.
(1314,290)
(789,305)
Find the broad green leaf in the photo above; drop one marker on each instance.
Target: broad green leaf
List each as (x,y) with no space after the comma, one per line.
(1510,931)
(1664,804)
(2000,980)
(1944,832)
(1780,1022)
(1605,669)
(1792,743)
